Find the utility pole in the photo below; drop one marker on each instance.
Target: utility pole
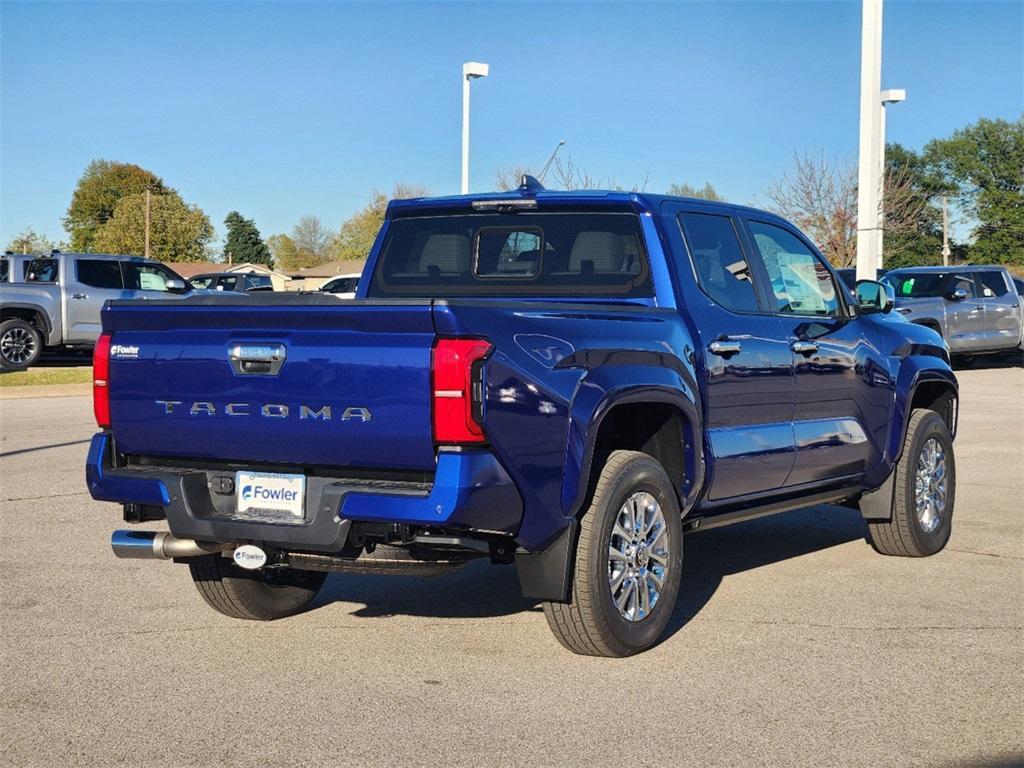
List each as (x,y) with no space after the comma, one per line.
(148,196)
(945,231)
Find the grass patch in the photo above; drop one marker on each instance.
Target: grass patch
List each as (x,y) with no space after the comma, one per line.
(40,376)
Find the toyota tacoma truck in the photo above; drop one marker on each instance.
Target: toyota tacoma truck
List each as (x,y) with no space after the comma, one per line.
(570,382)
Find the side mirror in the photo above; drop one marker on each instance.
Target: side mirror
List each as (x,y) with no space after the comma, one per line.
(874,297)
(175,286)
(958,295)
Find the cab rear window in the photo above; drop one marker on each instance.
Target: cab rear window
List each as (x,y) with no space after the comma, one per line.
(523,254)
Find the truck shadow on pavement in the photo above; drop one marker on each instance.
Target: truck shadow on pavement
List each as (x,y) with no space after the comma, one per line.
(481,591)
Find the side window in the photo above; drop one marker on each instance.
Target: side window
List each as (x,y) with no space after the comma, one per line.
(5,270)
(722,271)
(228,283)
(41,271)
(963,283)
(801,283)
(993,284)
(146,277)
(99,273)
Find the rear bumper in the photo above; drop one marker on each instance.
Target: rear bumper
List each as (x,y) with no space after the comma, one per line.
(470,490)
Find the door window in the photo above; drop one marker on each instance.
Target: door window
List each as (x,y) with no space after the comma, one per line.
(100,273)
(147,277)
(963,283)
(801,283)
(722,271)
(993,284)
(42,271)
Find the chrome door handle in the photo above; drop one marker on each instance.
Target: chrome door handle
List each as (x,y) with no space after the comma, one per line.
(724,347)
(79,295)
(802,347)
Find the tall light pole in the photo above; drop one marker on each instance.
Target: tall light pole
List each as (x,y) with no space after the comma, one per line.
(470,71)
(871,166)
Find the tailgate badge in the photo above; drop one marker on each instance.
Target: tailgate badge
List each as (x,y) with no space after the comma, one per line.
(257,359)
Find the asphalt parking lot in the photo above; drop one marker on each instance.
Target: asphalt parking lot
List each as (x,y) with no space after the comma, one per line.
(794,644)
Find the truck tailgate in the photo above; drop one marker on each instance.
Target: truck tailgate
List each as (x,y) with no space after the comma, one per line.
(351,387)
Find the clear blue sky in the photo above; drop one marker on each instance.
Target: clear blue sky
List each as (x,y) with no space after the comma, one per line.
(283,109)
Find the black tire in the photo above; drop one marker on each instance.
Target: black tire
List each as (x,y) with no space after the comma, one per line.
(905,535)
(590,623)
(263,595)
(21,344)
(963,361)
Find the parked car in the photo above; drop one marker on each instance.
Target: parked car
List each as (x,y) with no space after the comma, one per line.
(976,309)
(241,282)
(58,304)
(567,381)
(343,286)
(14,266)
(849,276)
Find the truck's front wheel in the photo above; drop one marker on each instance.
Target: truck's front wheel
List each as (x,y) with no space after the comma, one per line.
(263,595)
(922,508)
(628,562)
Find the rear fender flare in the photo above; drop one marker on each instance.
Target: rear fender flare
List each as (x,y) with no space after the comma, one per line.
(598,393)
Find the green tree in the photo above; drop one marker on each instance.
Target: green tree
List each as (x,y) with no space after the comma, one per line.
(356,236)
(984,163)
(707,192)
(912,215)
(307,245)
(243,243)
(103,184)
(284,252)
(178,231)
(30,241)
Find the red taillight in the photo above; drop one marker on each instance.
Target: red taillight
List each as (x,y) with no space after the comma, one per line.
(456,404)
(101,380)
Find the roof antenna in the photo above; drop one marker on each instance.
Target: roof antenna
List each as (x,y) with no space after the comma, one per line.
(528,183)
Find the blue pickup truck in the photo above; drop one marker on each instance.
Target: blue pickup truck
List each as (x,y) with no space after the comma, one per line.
(567,381)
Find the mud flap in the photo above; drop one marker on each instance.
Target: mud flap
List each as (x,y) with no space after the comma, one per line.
(877,505)
(545,575)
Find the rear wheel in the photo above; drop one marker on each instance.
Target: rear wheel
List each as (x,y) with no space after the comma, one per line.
(628,562)
(263,595)
(21,344)
(925,490)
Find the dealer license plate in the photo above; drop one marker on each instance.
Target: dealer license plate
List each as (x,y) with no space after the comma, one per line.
(268,494)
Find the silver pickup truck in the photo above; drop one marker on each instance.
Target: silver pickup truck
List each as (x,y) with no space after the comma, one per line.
(55,300)
(976,309)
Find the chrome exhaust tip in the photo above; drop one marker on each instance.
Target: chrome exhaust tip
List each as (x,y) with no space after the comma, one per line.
(157,545)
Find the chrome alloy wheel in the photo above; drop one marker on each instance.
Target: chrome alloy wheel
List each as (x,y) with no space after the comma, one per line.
(930,485)
(638,556)
(17,346)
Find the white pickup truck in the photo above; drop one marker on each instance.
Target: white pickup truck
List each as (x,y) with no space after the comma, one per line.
(55,300)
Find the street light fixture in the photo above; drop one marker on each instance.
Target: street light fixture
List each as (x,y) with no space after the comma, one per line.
(470,71)
(551,159)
